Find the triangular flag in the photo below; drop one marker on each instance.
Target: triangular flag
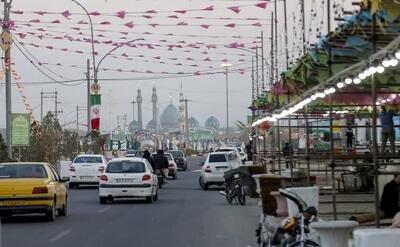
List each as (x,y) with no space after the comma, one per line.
(235,9)
(130,24)
(121,14)
(66,14)
(262,5)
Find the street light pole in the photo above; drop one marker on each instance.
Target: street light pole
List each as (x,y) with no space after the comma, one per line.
(226,66)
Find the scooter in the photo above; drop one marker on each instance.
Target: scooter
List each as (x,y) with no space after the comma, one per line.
(160,178)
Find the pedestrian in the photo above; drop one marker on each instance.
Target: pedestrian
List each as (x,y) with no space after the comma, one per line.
(349,137)
(147,156)
(249,150)
(387,126)
(390,201)
(161,163)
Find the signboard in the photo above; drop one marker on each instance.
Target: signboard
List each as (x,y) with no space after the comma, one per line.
(20,129)
(5,40)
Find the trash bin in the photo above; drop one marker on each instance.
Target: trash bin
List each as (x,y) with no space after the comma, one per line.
(297,179)
(269,183)
(257,170)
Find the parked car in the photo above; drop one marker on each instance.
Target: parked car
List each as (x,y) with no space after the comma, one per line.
(128,178)
(180,159)
(27,188)
(86,169)
(212,171)
(231,149)
(172,166)
(134,153)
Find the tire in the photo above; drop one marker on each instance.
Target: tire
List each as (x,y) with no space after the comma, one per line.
(241,196)
(64,210)
(201,182)
(103,200)
(51,214)
(155,197)
(228,199)
(149,199)
(307,243)
(206,186)
(72,186)
(175,176)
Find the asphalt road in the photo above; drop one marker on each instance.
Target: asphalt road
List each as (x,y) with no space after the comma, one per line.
(184,216)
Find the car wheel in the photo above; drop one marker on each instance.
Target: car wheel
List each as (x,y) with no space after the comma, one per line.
(201,182)
(206,186)
(64,210)
(155,197)
(174,176)
(71,186)
(149,199)
(103,200)
(51,213)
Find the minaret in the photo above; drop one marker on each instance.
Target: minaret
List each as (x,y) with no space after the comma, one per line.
(139,101)
(155,111)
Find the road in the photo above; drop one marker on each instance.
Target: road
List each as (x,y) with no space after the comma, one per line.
(184,216)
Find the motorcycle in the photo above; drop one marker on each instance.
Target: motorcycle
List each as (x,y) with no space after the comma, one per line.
(290,231)
(160,178)
(236,182)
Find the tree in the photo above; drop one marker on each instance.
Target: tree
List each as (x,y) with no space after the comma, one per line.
(3,150)
(70,144)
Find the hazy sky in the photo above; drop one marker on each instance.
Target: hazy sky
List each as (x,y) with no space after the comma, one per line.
(207,93)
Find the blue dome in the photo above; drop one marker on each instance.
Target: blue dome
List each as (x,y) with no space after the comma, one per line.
(212,123)
(169,118)
(193,123)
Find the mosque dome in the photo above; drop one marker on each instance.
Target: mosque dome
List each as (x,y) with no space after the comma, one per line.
(150,125)
(212,123)
(133,126)
(193,123)
(169,118)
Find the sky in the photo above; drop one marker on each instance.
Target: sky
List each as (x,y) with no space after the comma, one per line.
(205,92)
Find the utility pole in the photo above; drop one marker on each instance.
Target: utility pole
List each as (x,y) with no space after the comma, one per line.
(55,104)
(78,108)
(49,95)
(262,62)
(88,96)
(7,57)
(272,50)
(41,106)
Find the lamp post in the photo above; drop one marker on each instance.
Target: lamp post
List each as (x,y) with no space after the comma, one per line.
(226,66)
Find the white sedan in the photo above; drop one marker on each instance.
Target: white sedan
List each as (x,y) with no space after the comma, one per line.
(128,178)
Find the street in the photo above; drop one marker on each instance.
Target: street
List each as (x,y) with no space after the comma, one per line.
(183,216)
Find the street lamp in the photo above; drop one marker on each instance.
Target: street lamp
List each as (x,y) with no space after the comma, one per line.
(226,66)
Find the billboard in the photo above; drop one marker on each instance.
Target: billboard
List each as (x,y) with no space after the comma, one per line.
(20,129)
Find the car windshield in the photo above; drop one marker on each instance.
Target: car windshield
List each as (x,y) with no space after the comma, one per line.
(177,154)
(88,159)
(168,156)
(22,171)
(125,167)
(216,158)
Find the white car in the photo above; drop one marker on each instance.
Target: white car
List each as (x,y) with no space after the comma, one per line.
(172,166)
(232,149)
(86,169)
(212,171)
(128,178)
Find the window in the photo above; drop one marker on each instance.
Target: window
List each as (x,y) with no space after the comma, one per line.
(177,154)
(22,171)
(126,167)
(55,173)
(216,158)
(232,156)
(88,159)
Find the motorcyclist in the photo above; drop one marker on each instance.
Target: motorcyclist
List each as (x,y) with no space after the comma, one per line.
(161,163)
(147,156)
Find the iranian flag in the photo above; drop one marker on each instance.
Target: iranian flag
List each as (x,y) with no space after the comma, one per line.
(95,109)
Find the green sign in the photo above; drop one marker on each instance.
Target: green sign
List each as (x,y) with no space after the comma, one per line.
(20,128)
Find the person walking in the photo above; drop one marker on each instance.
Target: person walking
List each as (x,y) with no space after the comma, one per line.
(390,202)
(387,126)
(349,139)
(161,163)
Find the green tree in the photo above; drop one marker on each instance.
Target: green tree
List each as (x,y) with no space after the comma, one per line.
(3,150)
(70,144)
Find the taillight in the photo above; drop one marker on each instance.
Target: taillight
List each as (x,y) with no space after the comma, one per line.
(101,168)
(171,165)
(103,178)
(146,177)
(208,169)
(71,168)
(40,190)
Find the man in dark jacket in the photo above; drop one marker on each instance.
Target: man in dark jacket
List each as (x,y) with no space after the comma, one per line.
(390,202)
(147,156)
(161,162)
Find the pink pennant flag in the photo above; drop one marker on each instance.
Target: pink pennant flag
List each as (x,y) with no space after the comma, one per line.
(182,42)
(100,35)
(205,26)
(180,11)
(129,24)
(56,22)
(257,24)
(211,46)
(58,37)
(82,22)
(64,49)
(232,25)
(79,51)
(163,40)
(194,65)
(105,23)
(154,24)
(189,59)
(107,42)
(174,58)
(197,73)
(151,11)
(141,56)
(66,14)
(149,71)
(204,52)
(76,28)
(241,60)
(121,14)
(199,17)
(17,12)
(94,13)
(149,46)
(235,9)
(209,8)
(35,20)
(179,64)
(262,5)
(27,24)
(40,12)
(21,35)
(207,59)
(182,23)
(50,47)
(173,16)
(124,55)
(41,29)
(158,57)
(147,16)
